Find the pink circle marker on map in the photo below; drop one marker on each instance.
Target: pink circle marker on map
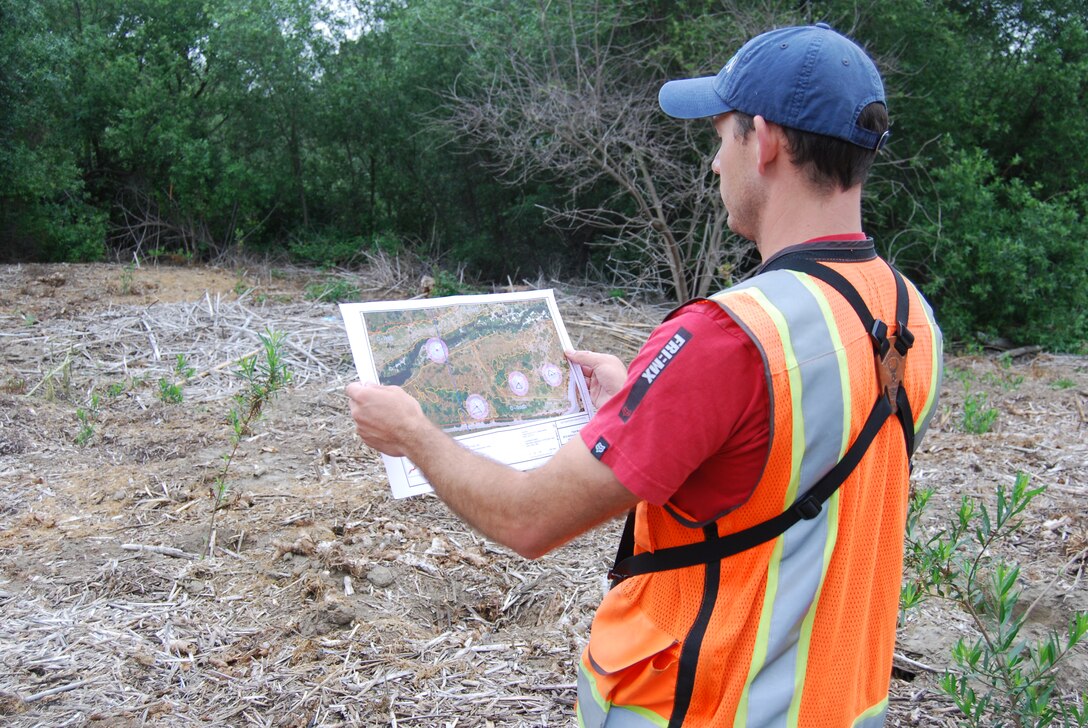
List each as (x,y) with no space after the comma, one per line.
(519,383)
(436,350)
(552,374)
(477,407)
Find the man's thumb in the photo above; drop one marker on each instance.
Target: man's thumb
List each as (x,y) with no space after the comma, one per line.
(585,358)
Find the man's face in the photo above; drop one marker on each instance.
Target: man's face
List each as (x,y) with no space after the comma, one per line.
(740,186)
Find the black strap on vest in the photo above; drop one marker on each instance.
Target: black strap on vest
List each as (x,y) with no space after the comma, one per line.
(890,353)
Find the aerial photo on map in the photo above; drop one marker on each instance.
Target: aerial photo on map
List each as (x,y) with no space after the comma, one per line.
(475,365)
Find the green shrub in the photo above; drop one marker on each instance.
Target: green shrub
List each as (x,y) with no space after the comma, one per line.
(170,391)
(86,416)
(329,250)
(1002,676)
(1006,261)
(448,284)
(332,290)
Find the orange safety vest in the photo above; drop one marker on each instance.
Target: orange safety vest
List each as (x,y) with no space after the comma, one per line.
(798,630)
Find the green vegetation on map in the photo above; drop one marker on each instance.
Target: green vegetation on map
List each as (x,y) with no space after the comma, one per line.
(474,365)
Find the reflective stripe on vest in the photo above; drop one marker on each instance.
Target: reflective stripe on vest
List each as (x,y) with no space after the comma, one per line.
(593,712)
(873,717)
(816,362)
(823,595)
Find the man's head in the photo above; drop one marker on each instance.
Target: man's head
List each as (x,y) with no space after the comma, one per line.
(818,85)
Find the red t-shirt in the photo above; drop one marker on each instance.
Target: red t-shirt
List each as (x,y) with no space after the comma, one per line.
(692,424)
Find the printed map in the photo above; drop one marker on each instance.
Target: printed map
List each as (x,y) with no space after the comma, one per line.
(473,366)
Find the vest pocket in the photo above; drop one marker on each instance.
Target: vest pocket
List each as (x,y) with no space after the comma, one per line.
(635,662)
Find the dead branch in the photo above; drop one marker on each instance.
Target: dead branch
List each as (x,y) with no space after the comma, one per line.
(588,117)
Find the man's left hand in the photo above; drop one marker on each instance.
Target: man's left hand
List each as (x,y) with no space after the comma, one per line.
(386,418)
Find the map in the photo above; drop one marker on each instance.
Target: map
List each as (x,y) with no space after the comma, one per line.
(475,365)
(488,369)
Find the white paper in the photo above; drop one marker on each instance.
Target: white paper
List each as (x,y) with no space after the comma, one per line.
(487,369)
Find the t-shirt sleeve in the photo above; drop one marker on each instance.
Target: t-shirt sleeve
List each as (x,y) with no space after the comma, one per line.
(696,386)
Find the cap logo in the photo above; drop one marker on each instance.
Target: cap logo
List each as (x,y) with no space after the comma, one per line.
(730,63)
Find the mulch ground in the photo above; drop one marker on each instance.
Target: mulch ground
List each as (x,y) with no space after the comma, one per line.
(325,602)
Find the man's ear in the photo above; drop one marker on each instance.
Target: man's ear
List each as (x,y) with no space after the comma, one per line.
(769,141)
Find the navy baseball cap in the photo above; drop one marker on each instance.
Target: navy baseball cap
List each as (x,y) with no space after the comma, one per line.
(809,78)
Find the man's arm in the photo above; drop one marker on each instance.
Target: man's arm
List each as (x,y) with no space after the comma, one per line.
(531,512)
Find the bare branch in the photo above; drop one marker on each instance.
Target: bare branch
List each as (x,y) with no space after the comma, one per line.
(588,119)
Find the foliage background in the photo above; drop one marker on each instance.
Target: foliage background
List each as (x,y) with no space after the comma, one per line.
(321,130)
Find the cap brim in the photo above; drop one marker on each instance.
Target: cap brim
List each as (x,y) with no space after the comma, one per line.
(691,98)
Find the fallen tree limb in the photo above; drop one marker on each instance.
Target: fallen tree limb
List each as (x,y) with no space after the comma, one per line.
(164,550)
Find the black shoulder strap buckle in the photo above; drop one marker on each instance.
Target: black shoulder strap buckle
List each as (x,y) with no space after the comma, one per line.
(878,332)
(808,507)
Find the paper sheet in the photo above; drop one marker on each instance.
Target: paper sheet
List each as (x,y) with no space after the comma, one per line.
(487,369)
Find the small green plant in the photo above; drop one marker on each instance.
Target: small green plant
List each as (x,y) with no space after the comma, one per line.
(978,415)
(1063,384)
(241,286)
(182,367)
(965,377)
(57,382)
(263,375)
(86,416)
(170,391)
(126,278)
(1005,378)
(13,384)
(1002,677)
(1012,382)
(332,290)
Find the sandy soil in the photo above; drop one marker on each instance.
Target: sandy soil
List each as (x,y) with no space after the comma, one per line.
(326,602)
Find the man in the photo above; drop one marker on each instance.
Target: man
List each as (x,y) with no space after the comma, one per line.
(764,557)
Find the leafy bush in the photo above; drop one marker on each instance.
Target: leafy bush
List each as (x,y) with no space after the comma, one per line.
(332,290)
(86,416)
(331,250)
(1007,262)
(172,392)
(449,284)
(1002,675)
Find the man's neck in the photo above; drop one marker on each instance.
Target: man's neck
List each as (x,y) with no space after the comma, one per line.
(798,215)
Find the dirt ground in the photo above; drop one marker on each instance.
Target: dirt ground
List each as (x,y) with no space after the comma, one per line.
(326,602)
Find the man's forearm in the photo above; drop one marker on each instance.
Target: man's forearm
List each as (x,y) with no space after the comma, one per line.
(531,512)
(487,495)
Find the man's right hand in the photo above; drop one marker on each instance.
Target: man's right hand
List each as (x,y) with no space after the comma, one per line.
(604,373)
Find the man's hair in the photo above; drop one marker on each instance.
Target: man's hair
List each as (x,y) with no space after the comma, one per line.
(831,163)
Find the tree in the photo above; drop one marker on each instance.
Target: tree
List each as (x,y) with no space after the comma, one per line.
(45,210)
(575,103)
(987,205)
